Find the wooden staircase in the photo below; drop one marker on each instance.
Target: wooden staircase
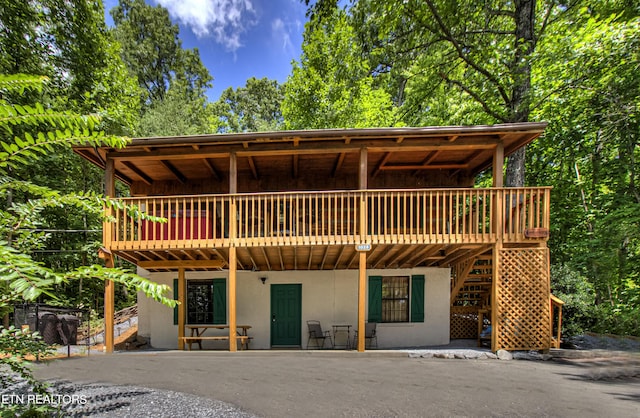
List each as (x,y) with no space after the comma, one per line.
(472,283)
(470,292)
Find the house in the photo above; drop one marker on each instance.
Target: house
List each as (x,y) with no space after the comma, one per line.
(343,226)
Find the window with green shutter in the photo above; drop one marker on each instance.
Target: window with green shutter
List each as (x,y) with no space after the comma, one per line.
(417,298)
(375,299)
(207,301)
(175,296)
(396,298)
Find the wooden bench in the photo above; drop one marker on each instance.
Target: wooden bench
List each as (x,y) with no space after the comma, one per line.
(244,340)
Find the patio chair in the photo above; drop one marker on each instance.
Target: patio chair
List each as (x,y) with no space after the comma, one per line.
(369,334)
(316,333)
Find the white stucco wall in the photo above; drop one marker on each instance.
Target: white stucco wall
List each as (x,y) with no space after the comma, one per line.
(328,296)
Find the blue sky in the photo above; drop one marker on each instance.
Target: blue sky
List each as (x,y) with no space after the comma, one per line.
(238,39)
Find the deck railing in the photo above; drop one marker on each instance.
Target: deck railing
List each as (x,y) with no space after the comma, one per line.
(325,218)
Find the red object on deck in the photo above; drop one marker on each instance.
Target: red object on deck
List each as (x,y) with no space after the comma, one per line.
(182,225)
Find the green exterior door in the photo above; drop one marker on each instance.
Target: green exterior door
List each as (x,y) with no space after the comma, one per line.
(286,314)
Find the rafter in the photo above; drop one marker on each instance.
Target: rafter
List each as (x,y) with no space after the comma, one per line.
(148,180)
(177,174)
(252,165)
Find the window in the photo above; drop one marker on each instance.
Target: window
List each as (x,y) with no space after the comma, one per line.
(200,302)
(206,301)
(396,299)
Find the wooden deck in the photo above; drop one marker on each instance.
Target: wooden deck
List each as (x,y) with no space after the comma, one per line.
(200,228)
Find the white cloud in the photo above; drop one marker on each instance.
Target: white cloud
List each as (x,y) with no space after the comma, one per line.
(226,20)
(279,31)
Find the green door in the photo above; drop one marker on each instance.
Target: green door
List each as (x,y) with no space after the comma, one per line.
(286,314)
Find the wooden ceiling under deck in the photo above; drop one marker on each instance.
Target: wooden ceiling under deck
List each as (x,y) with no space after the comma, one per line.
(319,257)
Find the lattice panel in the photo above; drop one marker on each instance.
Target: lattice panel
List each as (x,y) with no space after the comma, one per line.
(523,300)
(464,322)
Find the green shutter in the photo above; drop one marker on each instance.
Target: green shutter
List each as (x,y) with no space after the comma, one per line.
(417,298)
(175,296)
(375,299)
(219,301)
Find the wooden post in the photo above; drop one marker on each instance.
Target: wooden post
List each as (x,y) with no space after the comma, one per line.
(109,285)
(233,344)
(495,296)
(233,173)
(362,294)
(233,263)
(498,166)
(362,177)
(181,308)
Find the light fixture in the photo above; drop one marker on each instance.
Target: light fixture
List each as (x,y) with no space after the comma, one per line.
(264,279)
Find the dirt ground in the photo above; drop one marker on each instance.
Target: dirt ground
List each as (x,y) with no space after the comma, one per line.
(372,384)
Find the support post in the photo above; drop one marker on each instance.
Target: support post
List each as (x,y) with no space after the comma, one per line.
(109,285)
(498,165)
(362,292)
(233,262)
(181,307)
(362,177)
(233,344)
(495,296)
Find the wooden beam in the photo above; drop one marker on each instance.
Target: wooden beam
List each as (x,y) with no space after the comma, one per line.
(310,257)
(178,264)
(233,344)
(146,179)
(181,307)
(212,168)
(495,296)
(498,165)
(109,285)
(362,292)
(266,258)
(265,149)
(252,166)
(362,178)
(335,265)
(176,173)
(253,261)
(233,174)
(281,258)
(324,257)
(399,255)
(338,164)
(381,164)
(424,167)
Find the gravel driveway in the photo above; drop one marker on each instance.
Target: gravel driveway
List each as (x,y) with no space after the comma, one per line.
(320,384)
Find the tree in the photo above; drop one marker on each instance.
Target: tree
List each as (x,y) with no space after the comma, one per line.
(254,107)
(153,51)
(178,113)
(482,49)
(26,133)
(590,153)
(330,87)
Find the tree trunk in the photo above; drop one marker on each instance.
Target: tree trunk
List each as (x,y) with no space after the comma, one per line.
(521,69)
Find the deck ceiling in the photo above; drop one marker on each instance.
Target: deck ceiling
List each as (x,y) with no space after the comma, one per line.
(320,257)
(322,152)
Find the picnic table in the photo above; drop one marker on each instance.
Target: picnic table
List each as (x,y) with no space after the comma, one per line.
(197,331)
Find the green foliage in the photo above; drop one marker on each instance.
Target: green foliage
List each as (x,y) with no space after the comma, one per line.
(579,311)
(589,155)
(26,279)
(153,51)
(330,87)
(177,113)
(15,346)
(253,108)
